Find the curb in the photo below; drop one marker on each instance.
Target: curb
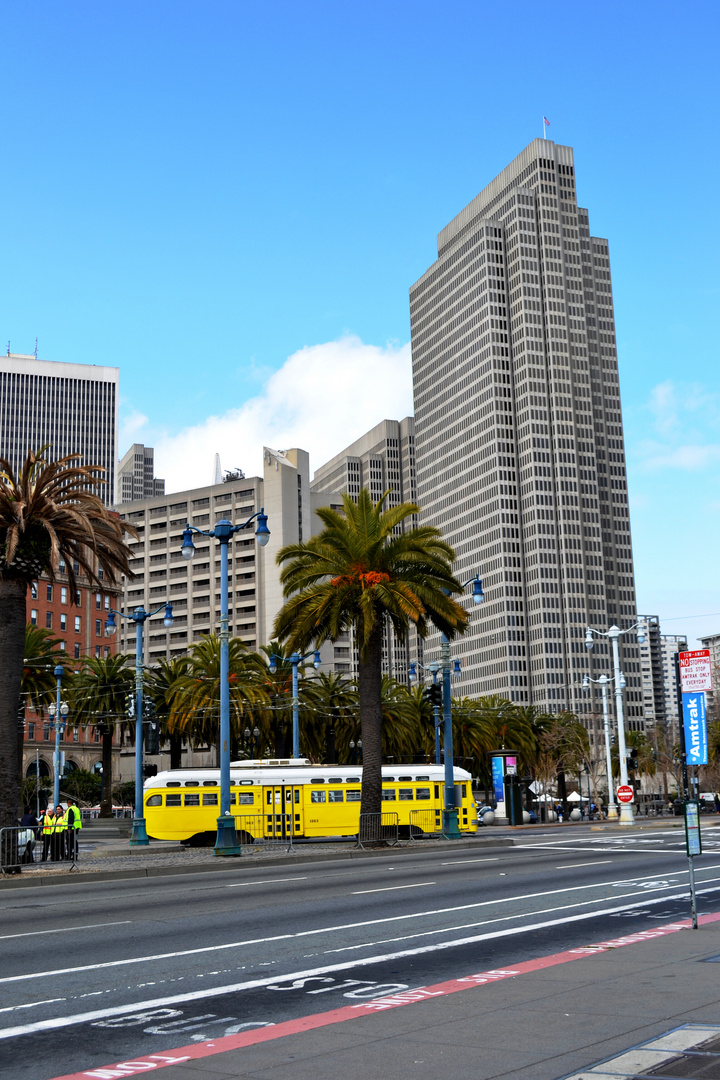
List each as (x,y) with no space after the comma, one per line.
(232,864)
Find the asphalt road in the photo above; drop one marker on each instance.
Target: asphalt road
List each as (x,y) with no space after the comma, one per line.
(92,974)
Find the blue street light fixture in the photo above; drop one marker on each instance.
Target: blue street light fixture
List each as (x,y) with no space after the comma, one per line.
(434,669)
(295,660)
(450,812)
(139,616)
(614,633)
(58,714)
(226,841)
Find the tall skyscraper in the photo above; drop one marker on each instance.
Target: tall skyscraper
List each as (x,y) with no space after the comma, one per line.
(383,459)
(136,475)
(519,441)
(71,406)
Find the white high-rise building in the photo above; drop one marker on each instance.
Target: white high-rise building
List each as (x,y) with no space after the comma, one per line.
(519,439)
(73,407)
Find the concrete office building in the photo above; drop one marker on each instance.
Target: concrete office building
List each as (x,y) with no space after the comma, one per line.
(712,698)
(193,588)
(657,659)
(383,459)
(73,407)
(519,441)
(136,475)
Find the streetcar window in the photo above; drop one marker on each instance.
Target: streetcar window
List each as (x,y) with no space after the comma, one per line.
(208,799)
(353,795)
(388,796)
(422,777)
(353,780)
(401,778)
(232,798)
(406,794)
(245,799)
(317,796)
(192,800)
(437,791)
(192,783)
(174,783)
(391,779)
(209,783)
(172,800)
(244,783)
(154,800)
(335,796)
(422,793)
(319,780)
(335,780)
(462,790)
(297,795)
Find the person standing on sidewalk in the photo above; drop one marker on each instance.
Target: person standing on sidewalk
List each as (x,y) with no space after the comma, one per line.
(47,828)
(74,824)
(59,825)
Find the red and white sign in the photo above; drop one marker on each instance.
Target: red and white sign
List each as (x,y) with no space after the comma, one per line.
(625,793)
(695,671)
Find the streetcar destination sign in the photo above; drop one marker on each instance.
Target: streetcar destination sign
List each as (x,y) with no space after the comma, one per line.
(625,793)
(695,671)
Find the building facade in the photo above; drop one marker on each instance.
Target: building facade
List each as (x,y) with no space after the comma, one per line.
(712,699)
(136,475)
(382,460)
(73,407)
(519,439)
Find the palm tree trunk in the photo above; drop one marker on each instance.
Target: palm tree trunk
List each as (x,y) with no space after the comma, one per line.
(107,763)
(175,751)
(13,591)
(370,695)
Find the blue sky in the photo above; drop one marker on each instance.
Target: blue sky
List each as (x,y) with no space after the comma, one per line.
(215,195)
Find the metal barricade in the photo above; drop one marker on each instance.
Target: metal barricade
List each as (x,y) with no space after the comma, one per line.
(264,831)
(378,828)
(23,845)
(424,823)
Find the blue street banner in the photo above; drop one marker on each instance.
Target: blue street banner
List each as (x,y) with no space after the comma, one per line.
(497,779)
(696,740)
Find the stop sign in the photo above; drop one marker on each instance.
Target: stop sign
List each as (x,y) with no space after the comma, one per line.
(625,793)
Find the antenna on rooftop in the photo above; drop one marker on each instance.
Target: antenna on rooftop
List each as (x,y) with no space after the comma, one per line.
(217,471)
(36,348)
(8,352)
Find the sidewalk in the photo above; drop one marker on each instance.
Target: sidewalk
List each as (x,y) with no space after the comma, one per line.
(551,1017)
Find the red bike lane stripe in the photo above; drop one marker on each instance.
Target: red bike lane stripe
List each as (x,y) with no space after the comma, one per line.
(136,1066)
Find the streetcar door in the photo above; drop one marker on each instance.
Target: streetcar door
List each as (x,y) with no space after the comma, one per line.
(278,811)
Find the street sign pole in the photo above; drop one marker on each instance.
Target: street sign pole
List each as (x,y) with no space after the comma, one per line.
(693,844)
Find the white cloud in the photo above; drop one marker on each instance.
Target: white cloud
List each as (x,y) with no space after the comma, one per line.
(322,398)
(689,457)
(130,425)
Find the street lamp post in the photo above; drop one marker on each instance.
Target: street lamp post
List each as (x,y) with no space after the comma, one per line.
(603,683)
(296,659)
(58,713)
(226,841)
(139,616)
(450,814)
(626,812)
(433,668)
(251,738)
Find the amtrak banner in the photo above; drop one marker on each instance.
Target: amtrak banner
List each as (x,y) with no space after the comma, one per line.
(696,741)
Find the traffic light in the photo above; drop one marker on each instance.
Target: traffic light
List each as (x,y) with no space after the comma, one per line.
(632,760)
(433,695)
(151,728)
(149,770)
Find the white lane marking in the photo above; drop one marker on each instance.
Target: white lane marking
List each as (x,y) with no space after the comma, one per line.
(459,862)
(330,929)
(66,929)
(268,881)
(393,888)
(54,1023)
(573,865)
(31,1005)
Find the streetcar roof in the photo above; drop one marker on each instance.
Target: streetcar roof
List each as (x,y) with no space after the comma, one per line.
(303,773)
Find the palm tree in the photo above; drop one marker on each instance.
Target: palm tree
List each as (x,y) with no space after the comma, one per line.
(99,696)
(42,653)
(160,685)
(195,700)
(328,704)
(47,513)
(361,572)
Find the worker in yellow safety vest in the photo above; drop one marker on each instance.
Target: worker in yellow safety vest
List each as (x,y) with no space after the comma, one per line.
(57,846)
(74,824)
(47,828)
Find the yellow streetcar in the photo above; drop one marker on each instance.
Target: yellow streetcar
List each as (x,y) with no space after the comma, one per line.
(273,798)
